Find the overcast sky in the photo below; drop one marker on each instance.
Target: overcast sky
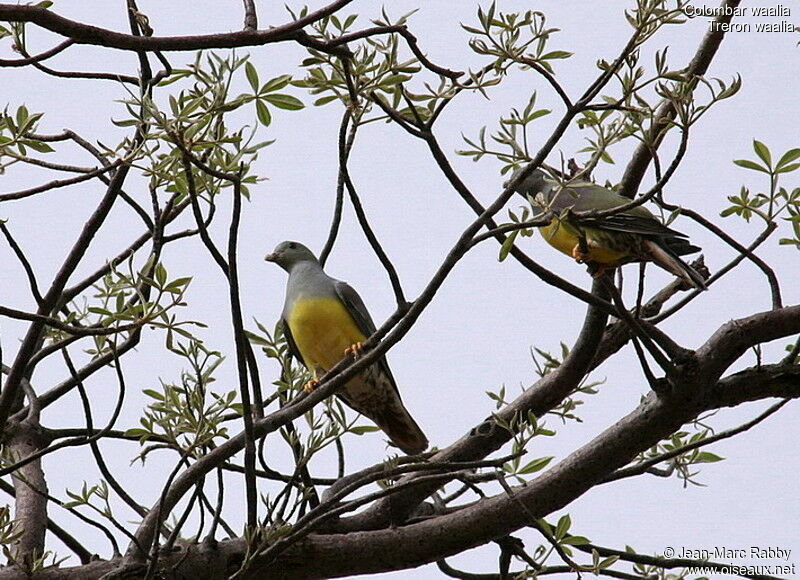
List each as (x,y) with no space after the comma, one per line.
(478,332)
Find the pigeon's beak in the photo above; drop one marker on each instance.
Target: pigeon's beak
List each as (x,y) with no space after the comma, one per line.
(273,257)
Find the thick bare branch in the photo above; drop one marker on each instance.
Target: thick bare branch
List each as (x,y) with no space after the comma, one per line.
(86,34)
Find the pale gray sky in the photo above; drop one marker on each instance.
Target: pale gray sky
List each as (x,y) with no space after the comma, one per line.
(477,334)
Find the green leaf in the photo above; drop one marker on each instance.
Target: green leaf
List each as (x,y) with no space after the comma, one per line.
(762,152)
(788,157)
(388,81)
(508,243)
(536,465)
(275,84)
(252,75)
(154,394)
(556,54)
(22,115)
(676,76)
(349,21)
(788,168)
(253,148)
(747,164)
(136,432)
(173,105)
(325,100)
(126,123)
(120,303)
(161,274)
(235,103)
(563,525)
(287,102)
(262,112)
(607,562)
(575,540)
(707,457)
(177,284)
(37,146)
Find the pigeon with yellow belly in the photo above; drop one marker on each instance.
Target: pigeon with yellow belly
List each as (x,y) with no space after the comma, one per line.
(324,319)
(633,235)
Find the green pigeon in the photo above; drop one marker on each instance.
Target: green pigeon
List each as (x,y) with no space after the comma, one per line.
(634,235)
(324,320)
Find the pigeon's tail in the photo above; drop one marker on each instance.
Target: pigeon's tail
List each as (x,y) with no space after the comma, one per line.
(665,257)
(374,395)
(679,246)
(401,428)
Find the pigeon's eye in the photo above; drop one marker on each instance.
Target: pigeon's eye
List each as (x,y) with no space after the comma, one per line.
(292,245)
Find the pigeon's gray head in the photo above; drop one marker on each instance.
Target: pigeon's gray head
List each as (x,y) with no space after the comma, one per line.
(533,184)
(287,254)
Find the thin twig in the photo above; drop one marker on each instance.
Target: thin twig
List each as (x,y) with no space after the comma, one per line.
(410,39)
(636,328)
(642,467)
(534,522)
(23,259)
(37,58)
(96,76)
(250,16)
(369,233)
(57,183)
(242,345)
(760,239)
(336,219)
(772,279)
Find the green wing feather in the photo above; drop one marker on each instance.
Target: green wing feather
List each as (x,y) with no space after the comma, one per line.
(356,307)
(293,350)
(584,197)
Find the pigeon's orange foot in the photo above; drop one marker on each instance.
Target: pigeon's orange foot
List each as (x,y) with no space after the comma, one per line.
(311,385)
(579,255)
(354,349)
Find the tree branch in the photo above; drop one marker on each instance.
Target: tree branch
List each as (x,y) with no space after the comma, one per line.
(666,112)
(82,33)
